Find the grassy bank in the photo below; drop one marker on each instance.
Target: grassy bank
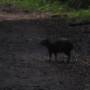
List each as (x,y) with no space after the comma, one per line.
(33,5)
(54,8)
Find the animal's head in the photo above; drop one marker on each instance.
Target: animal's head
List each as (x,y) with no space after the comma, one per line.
(45,42)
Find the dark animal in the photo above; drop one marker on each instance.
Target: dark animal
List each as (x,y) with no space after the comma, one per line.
(60,46)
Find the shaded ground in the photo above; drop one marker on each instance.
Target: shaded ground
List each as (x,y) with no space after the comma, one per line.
(24,63)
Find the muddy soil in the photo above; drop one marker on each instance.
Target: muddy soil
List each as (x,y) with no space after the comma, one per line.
(24,62)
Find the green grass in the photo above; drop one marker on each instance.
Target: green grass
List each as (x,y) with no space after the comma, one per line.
(35,5)
(80,15)
(55,8)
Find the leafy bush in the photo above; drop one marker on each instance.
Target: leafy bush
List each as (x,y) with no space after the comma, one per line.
(77,4)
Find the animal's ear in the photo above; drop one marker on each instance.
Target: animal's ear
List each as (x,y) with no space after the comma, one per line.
(44,42)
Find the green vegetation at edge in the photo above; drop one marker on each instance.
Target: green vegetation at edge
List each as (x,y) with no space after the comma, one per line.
(55,8)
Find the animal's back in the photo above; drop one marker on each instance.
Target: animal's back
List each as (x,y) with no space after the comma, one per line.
(62,45)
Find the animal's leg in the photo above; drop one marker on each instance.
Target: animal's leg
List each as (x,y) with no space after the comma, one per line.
(50,55)
(56,57)
(69,56)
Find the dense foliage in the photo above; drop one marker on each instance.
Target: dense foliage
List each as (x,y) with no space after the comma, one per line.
(77,4)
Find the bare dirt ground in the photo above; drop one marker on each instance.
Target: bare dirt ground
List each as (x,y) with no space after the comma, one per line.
(22,15)
(24,62)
